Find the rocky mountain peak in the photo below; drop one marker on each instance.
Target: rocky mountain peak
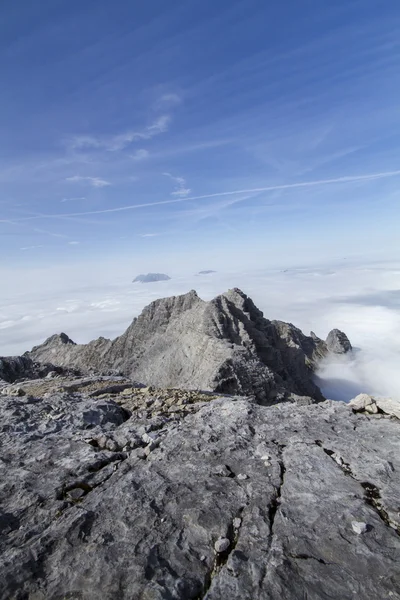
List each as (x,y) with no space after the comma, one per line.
(338,342)
(223,345)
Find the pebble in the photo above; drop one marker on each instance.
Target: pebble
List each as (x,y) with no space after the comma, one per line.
(76,493)
(237,523)
(359,527)
(221,545)
(149,438)
(222,471)
(242,476)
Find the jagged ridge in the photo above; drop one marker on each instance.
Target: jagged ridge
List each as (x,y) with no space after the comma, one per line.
(224,345)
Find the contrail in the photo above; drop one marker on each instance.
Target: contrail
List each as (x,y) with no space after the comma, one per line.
(270,188)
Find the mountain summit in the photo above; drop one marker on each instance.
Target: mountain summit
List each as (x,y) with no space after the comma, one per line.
(225,345)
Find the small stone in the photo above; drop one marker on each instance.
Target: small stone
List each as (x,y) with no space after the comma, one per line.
(242,476)
(127,391)
(152,446)
(237,523)
(221,545)
(266,457)
(102,441)
(222,471)
(76,493)
(203,557)
(13,391)
(359,527)
(111,445)
(148,438)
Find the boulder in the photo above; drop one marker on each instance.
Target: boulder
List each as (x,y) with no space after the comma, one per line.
(373,405)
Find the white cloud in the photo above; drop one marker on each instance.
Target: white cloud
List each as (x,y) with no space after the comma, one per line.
(31,247)
(146,235)
(93,181)
(51,233)
(180,186)
(120,141)
(140,154)
(270,188)
(73,199)
(73,243)
(167,101)
(160,125)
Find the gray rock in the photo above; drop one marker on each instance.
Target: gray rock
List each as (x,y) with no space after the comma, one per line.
(225,345)
(237,523)
(372,405)
(17,368)
(79,521)
(221,544)
(389,406)
(364,402)
(338,342)
(359,527)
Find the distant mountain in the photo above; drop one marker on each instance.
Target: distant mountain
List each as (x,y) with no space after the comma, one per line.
(206,272)
(151,278)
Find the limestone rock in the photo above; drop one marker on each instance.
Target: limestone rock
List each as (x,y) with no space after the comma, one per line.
(225,345)
(82,521)
(17,368)
(388,406)
(372,405)
(338,342)
(222,544)
(359,527)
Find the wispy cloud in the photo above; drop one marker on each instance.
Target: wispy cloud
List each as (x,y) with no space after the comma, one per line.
(73,243)
(122,140)
(93,181)
(286,186)
(140,154)
(148,235)
(31,247)
(73,199)
(51,233)
(167,101)
(180,186)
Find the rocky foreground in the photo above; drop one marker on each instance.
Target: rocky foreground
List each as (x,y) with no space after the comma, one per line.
(109,490)
(112,489)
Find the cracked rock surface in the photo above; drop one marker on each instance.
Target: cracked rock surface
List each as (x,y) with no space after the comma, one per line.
(104,495)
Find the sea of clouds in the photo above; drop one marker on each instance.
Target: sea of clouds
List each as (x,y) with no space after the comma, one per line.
(361,299)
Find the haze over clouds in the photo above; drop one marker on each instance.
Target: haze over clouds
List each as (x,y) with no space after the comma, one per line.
(145,137)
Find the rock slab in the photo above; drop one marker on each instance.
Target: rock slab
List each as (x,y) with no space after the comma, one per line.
(83,518)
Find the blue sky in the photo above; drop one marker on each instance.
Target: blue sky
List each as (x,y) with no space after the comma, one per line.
(198,132)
